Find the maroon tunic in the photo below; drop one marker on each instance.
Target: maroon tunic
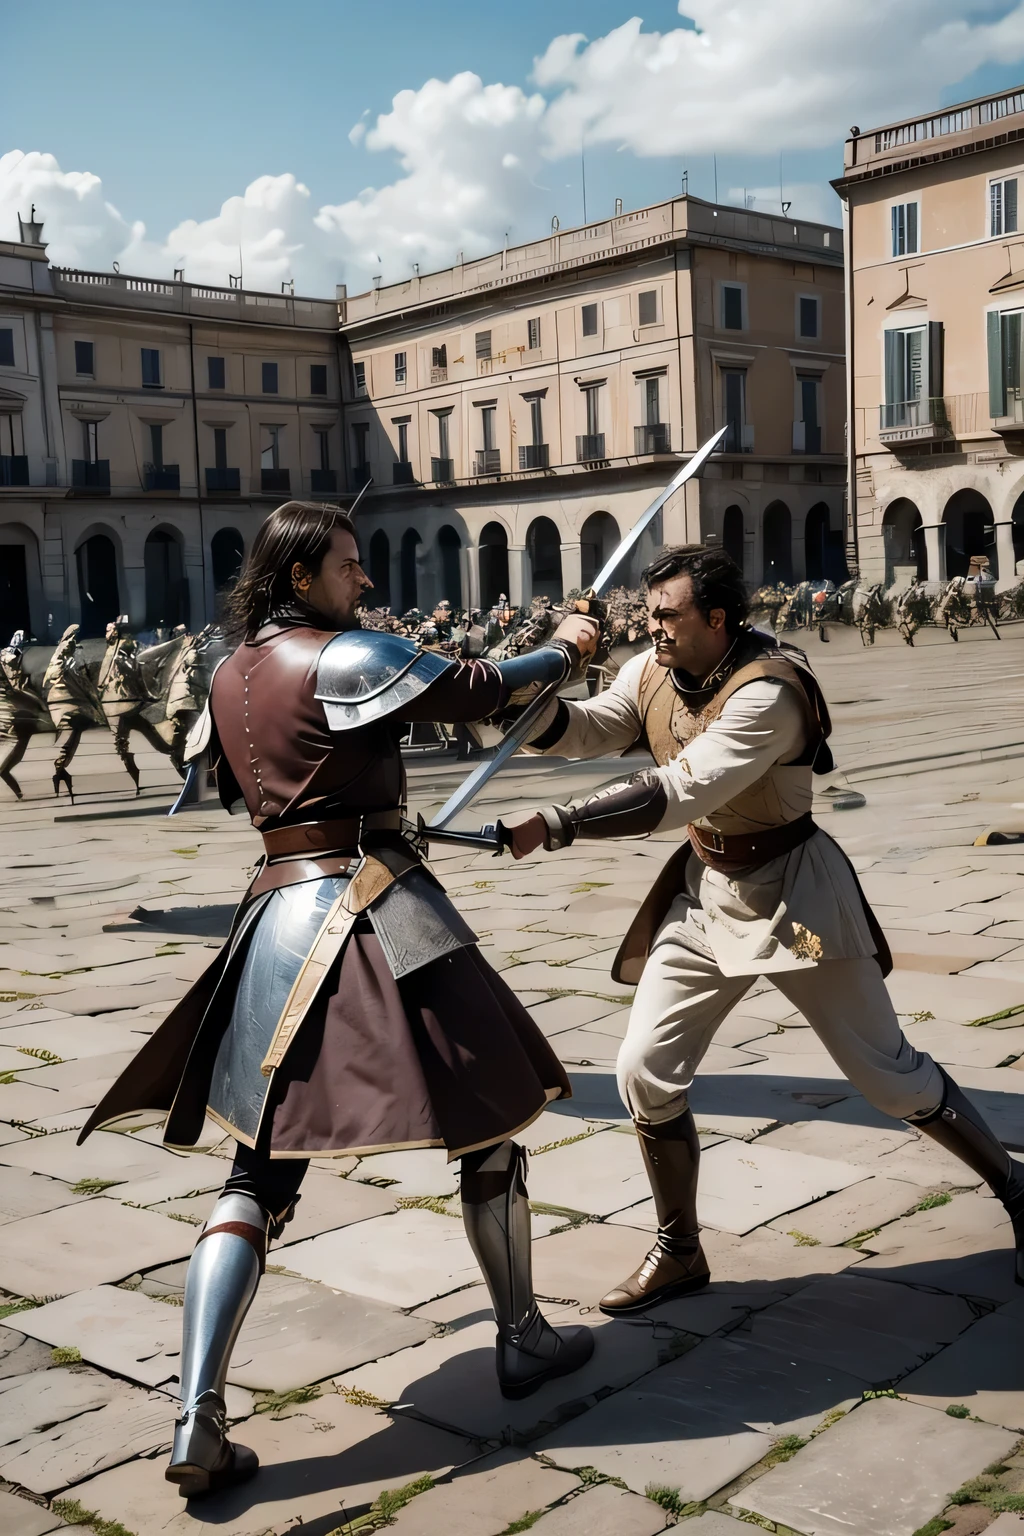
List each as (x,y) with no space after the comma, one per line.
(446,1056)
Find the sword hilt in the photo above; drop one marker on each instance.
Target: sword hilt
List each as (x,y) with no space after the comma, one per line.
(493,837)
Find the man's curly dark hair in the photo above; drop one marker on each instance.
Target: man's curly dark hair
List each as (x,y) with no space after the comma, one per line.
(717,580)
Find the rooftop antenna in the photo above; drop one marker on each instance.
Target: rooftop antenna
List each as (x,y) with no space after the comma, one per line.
(618,207)
(785,209)
(555,225)
(781,193)
(583,177)
(288,286)
(715,157)
(179,274)
(241,269)
(686,183)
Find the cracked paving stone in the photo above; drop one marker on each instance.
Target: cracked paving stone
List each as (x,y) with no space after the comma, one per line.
(19,1354)
(486,1497)
(88,1244)
(884,1470)
(451,1380)
(415,1173)
(106,1155)
(20,1517)
(134,1424)
(373,1258)
(980,1369)
(600,1175)
(23,1193)
(965,1246)
(604,1511)
(324,1461)
(33,1402)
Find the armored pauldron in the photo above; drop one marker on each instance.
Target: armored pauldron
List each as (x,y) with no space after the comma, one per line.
(363,675)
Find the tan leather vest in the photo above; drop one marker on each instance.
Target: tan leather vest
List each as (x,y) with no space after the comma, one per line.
(784,792)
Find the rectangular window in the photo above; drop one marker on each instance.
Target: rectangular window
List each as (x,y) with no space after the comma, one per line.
(270,454)
(439,357)
(487,415)
(318,379)
(91,440)
(904,229)
(359,371)
(1002,196)
(589,314)
(151,367)
(443,435)
(84,363)
(403,442)
(270,380)
(6,347)
(533,334)
(734,391)
(361,439)
(593,403)
(483,344)
(324,446)
(537,420)
(156,446)
(809,317)
(808,386)
(400,369)
(732,307)
(652,402)
(215,373)
(647,305)
(220,447)
(904,367)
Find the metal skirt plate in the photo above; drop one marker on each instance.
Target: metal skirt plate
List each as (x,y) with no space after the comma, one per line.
(278,944)
(415,923)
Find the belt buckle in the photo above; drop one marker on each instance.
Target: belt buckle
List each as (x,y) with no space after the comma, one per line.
(715,842)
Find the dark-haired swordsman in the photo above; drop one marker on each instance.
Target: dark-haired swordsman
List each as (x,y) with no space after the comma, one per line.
(737,725)
(350,1010)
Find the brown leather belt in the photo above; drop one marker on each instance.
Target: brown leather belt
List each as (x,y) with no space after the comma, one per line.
(315,838)
(729,852)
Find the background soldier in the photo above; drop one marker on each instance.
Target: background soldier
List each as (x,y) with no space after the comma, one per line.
(72,702)
(124,696)
(23,710)
(736,725)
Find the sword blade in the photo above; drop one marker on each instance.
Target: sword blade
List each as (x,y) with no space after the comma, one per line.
(687,472)
(474,782)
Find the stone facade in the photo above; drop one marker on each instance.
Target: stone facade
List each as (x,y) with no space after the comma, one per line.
(146,429)
(517,413)
(936,285)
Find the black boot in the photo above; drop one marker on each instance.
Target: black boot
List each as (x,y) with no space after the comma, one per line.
(11,782)
(61,776)
(958,1126)
(496,1211)
(676,1265)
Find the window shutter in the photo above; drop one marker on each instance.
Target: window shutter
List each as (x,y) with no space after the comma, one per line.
(935,381)
(911,228)
(893,382)
(1010,206)
(895,220)
(996,385)
(995,195)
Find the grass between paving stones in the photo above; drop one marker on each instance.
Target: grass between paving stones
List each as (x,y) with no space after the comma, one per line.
(571,1218)
(66,1354)
(932,1201)
(993,1018)
(436,1203)
(22,1304)
(358,1397)
(49,1057)
(384,1508)
(94,1186)
(276,1402)
(524,1522)
(566,1141)
(74,1513)
(804,1239)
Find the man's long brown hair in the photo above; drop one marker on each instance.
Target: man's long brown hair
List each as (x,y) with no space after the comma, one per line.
(298,530)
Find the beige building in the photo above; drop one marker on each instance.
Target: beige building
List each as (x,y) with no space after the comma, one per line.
(936,295)
(146,429)
(517,413)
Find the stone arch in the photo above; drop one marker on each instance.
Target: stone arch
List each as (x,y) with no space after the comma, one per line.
(823,549)
(21,586)
(1017,520)
(732,533)
(903,539)
(380,569)
(450,548)
(544,550)
(99,593)
(493,548)
(408,560)
(599,536)
(967,519)
(227,551)
(778,543)
(167,595)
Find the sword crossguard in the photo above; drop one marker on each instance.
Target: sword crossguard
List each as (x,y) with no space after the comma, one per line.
(493,837)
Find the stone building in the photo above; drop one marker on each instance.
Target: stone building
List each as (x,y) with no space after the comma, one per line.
(146,429)
(517,413)
(935,283)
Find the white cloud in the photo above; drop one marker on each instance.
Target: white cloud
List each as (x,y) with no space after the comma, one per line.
(748,77)
(766,75)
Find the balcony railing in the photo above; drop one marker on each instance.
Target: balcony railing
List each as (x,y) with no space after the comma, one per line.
(161,477)
(1013,410)
(439,375)
(90,474)
(806,437)
(276,482)
(221,481)
(13,469)
(487,461)
(651,439)
(913,421)
(401,473)
(442,471)
(323,482)
(533,456)
(590,446)
(359,475)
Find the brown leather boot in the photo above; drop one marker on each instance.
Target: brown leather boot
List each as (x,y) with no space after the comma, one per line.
(676,1265)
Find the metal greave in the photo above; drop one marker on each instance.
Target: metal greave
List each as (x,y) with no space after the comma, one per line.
(223,1275)
(497,1216)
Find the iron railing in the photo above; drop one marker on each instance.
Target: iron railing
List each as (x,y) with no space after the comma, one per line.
(323,482)
(13,469)
(487,461)
(219,481)
(653,438)
(590,446)
(533,456)
(90,474)
(276,482)
(401,473)
(442,471)
(161,477)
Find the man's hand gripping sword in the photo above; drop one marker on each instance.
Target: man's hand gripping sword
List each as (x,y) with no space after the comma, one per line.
(495,836)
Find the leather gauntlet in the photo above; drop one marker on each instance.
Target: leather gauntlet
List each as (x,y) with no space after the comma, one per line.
(633,808)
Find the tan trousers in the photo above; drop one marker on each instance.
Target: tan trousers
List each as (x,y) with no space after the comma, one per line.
(683,997)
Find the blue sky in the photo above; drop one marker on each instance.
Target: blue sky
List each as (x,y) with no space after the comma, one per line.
(176,109)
